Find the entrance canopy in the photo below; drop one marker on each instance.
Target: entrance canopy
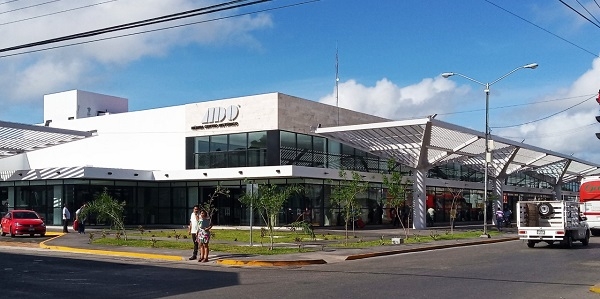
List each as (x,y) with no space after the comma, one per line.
(427,142)
(16,138)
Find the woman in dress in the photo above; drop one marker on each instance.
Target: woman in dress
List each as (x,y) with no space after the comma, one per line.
(203,234)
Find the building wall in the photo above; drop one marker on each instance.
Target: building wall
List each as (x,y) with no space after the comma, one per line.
(78,104)
(303,116)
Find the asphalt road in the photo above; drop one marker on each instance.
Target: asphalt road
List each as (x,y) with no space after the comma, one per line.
(501,270)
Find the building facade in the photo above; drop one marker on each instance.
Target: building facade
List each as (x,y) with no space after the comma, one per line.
(163,161)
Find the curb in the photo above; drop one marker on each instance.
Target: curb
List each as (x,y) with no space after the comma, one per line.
(427,248)
(595,288)
(110,252)
(263,263)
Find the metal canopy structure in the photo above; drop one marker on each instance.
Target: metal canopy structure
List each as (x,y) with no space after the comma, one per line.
(427,142)
(16,138)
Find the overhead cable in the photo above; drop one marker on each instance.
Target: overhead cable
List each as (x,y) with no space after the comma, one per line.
(155,30)
(539,27)
(186,14)
(529,122)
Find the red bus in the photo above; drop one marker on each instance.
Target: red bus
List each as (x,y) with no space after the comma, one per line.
(589,199)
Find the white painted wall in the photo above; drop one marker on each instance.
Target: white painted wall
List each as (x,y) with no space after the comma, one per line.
(80,104)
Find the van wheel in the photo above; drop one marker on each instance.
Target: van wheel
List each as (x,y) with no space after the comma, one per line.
(586,240)
(568,241)
(530,244)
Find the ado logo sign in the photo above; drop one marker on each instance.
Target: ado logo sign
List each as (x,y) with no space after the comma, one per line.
(217,115)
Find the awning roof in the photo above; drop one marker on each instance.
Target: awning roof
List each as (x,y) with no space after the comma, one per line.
(16,138)
(427,142)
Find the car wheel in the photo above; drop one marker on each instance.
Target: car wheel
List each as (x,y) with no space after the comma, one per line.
(530,244)
(586,240)
(2,231)
(545,209)
(568,241)
(12,234)
(42,234)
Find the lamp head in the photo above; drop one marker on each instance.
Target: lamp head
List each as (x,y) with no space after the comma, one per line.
(446,75)
(531,66)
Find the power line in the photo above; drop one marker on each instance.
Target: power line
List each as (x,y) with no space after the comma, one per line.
(539,27)
(26,7)
(6,2)
(589,13)
(529,122)
(553,134)
(517,105)
(172,17)
(155,30)
(58,12)
(580,14)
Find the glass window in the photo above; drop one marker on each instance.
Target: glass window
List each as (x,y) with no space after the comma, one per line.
(202,144)
(218,143)
(237,142)
(257,140)
(288,140)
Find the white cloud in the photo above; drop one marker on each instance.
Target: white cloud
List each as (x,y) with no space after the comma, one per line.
(27,77)
(389,100)
(569,132)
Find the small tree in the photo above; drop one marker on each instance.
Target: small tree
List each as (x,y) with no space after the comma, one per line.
(268,201)
(396,190)
(209,205)
(344,195)
(456,194)
(106,208)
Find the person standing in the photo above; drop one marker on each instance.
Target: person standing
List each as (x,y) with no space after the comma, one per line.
(66,216)
(193,230)
(204,226)
(431,216)
(79,218)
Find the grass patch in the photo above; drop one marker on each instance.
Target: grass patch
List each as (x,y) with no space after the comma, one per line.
(287,241)
(173,244)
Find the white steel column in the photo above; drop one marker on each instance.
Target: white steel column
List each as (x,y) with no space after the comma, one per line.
(419,199)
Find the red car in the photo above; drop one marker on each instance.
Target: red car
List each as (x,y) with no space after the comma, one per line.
(22,222)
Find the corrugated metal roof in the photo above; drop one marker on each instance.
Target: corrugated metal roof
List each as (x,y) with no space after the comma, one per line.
(427,142)
(16,138)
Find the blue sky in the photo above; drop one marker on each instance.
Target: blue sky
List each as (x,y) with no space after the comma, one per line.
(391,55)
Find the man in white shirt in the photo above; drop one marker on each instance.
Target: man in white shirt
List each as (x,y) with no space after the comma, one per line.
(193,230)
(66,216)
(431,216)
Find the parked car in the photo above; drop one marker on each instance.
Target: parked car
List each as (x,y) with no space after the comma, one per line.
(22,222)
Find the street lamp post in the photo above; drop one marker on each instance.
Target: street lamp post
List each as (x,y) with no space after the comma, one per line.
(488,156)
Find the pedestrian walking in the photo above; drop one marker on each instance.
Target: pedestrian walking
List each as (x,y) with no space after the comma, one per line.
(204,226)
(66,216)
(80,219)
(499,219)
(193,230)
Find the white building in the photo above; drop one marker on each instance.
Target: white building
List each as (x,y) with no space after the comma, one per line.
(163,161)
